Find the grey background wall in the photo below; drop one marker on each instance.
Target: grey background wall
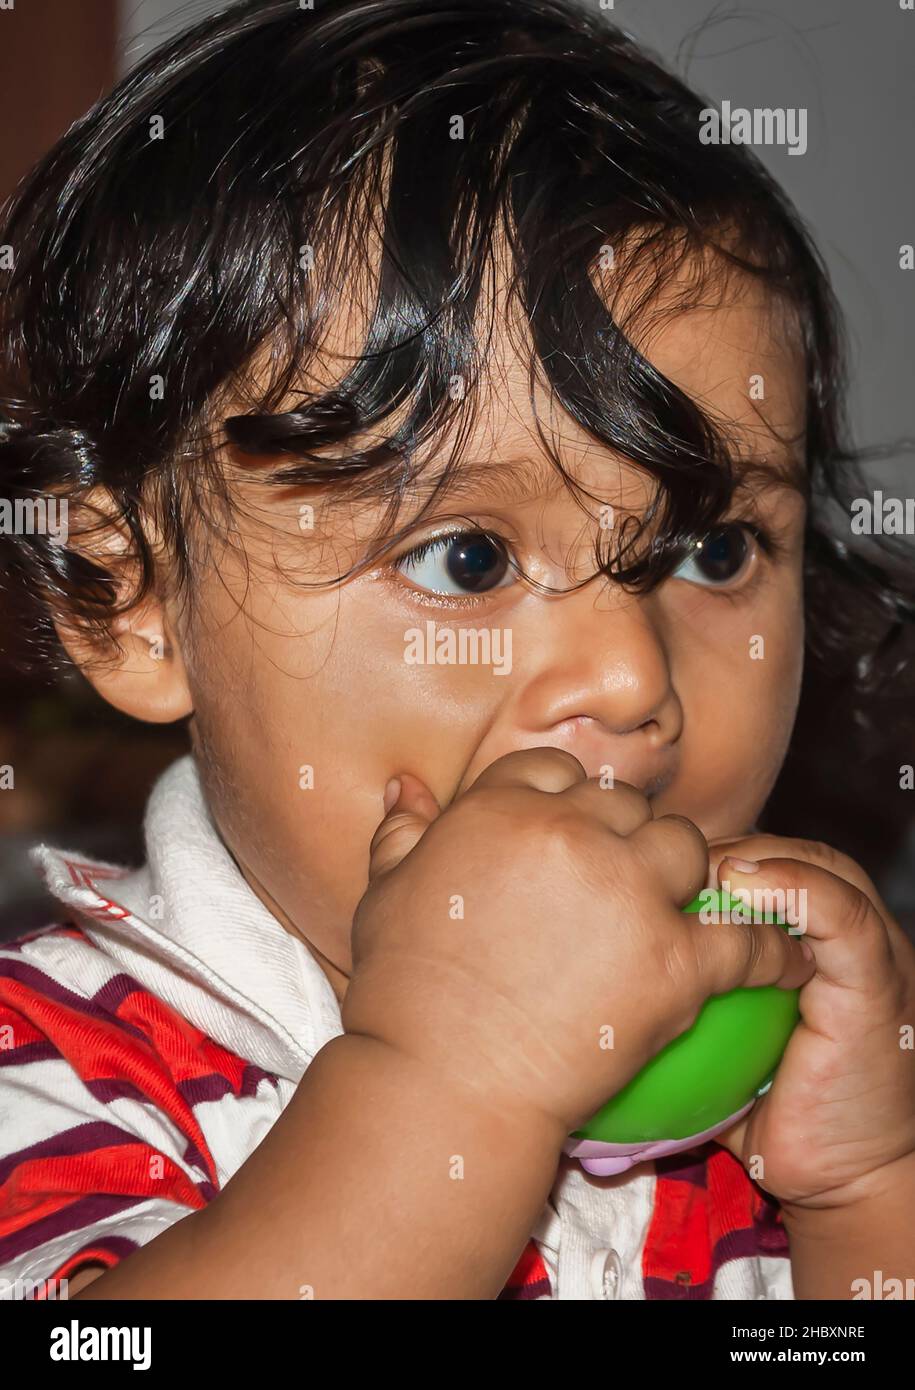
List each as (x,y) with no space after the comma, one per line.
(851,64)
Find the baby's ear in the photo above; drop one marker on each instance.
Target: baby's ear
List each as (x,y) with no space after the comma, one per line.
(135,661)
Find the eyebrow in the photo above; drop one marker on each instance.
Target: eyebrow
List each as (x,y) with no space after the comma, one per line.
(788,471)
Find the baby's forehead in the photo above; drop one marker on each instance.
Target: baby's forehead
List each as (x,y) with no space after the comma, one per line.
(738,330)
(738,359)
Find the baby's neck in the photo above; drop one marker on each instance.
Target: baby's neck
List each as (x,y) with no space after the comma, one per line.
(339,981)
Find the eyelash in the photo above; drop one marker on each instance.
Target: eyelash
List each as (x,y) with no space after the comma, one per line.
(772,549)
(763,536)
(453,601)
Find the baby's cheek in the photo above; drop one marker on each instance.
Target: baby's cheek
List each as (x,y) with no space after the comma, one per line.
(739,713)
(782,664)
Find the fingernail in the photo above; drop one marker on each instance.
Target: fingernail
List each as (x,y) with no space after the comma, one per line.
(391,793)
(807,953)
(743,866)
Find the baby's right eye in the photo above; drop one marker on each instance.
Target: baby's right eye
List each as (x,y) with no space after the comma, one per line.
(463,562)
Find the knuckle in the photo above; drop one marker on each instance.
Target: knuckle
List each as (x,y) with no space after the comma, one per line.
(544,758)
(563,833)
(861,917)
(819,853)
(752,946)
(679,964)
(562,755)
(632,798)
(682,825)
(550,760)
(685,838)
(675,976)
(683,1004)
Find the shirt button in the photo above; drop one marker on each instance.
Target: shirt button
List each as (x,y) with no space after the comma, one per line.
(606,1274)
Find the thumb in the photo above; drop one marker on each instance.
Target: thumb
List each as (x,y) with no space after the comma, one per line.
(410,808)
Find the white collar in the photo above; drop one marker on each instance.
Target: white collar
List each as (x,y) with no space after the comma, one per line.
(188,927)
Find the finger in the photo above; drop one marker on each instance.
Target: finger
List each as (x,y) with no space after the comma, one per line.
(848,935)
(734,955)
(408,817)
(621,808)
(757,847)
(676,855)
(541,769)
(754,848)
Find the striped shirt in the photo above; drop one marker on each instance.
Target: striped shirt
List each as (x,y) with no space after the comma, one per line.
(152,1037)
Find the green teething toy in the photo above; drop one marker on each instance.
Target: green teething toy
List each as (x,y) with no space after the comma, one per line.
(726,1059)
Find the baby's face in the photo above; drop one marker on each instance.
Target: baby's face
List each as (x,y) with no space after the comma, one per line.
(308,700)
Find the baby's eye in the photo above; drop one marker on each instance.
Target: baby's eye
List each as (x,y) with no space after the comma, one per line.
(465,562)
(718,558)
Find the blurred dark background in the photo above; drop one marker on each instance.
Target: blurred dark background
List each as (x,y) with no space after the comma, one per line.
(82,772)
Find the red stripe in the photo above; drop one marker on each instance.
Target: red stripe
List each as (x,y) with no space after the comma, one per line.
(678,1234)
(530,1268)
(82,873)
(24,1031)
(100,1051)
(690,1220)
(107,910)
(731,1195)
(128,1170)
(187,1052)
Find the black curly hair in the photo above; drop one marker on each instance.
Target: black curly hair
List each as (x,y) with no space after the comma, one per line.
(295,139)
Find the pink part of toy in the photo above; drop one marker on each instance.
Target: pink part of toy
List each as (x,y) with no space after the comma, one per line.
(605,1160)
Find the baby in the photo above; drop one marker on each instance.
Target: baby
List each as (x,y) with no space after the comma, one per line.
(439,419)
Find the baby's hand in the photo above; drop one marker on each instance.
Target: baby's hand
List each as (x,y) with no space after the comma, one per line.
(842,1105)
(527,943)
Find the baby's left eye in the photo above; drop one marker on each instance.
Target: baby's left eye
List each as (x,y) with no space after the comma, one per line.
(717,559)
(465,562)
